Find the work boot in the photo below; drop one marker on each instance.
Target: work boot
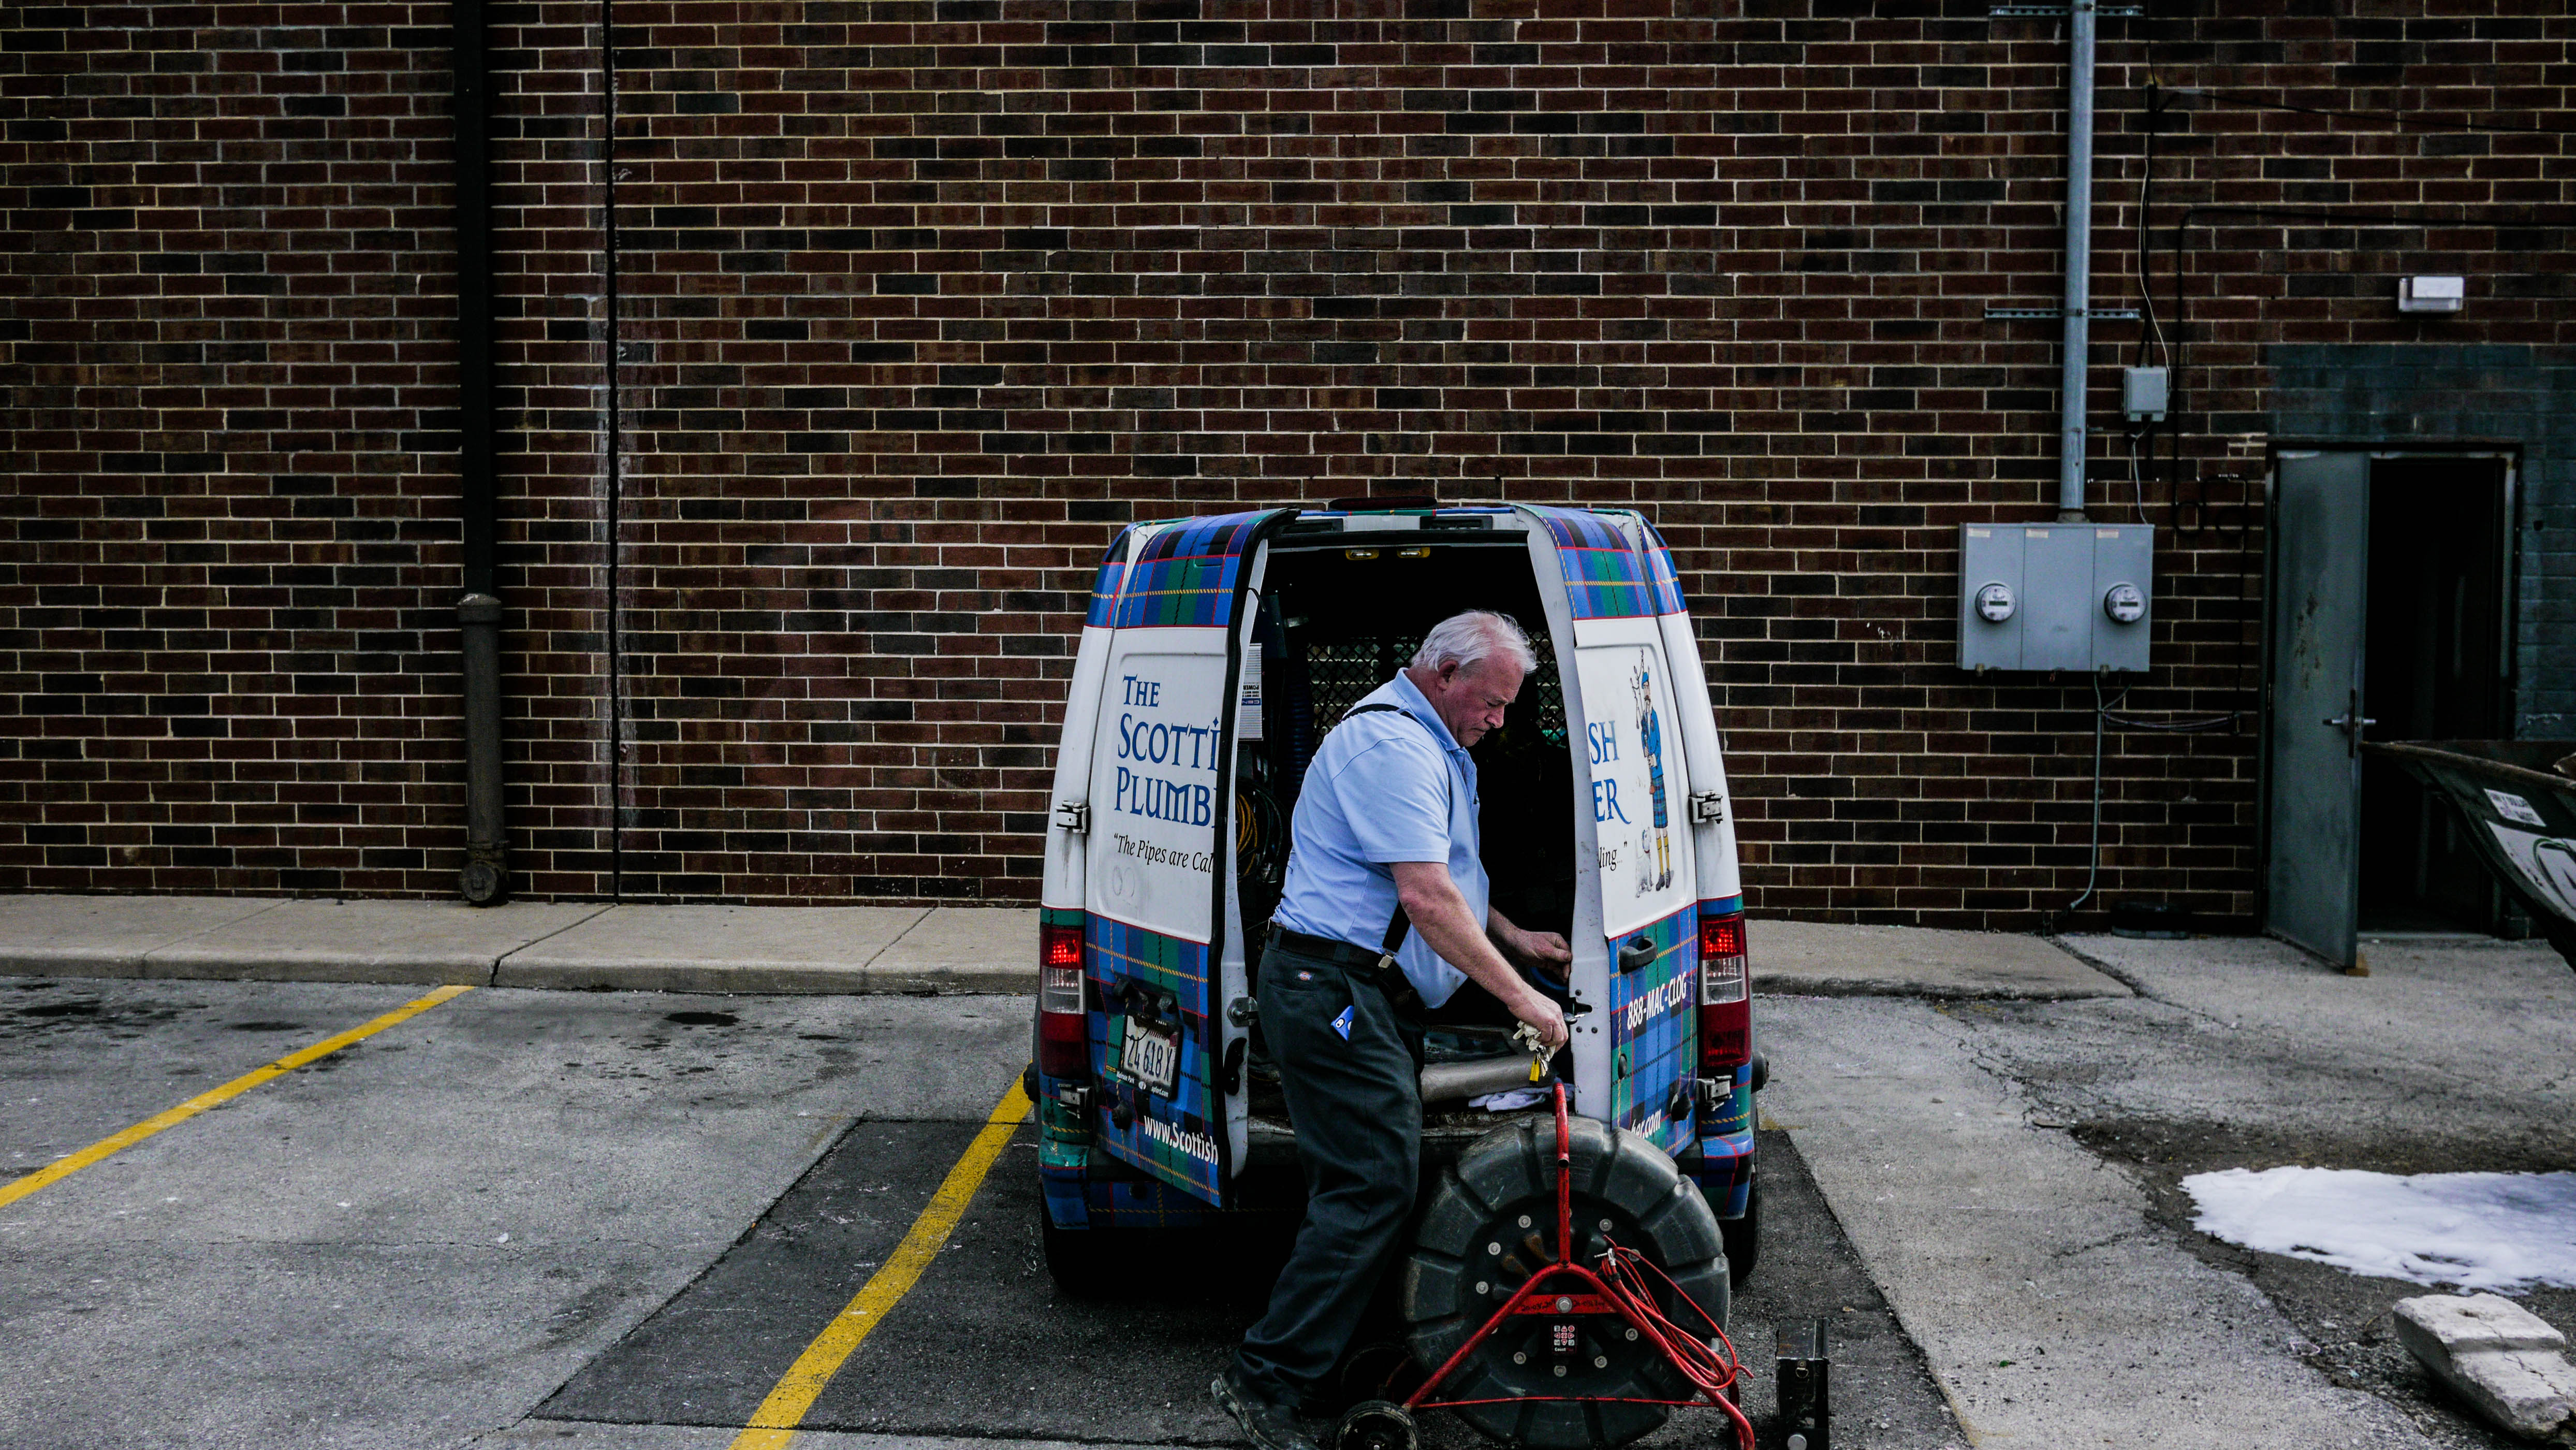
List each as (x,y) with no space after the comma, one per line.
(1266,1425)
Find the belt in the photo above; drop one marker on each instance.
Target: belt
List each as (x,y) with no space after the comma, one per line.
(1326,949)
(1376,968)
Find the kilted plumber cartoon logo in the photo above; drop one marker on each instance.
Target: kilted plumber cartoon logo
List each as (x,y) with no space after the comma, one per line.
(1655,841)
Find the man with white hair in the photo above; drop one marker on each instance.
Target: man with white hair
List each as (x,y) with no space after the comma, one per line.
(1384,914)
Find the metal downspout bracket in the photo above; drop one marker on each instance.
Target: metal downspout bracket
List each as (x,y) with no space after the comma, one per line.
(485,878)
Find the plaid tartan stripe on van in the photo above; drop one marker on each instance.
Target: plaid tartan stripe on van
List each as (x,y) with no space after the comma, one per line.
(1185,575)
(1654,1038)
(1105,585)
(1120,953)
(1604,579)
(1667,587)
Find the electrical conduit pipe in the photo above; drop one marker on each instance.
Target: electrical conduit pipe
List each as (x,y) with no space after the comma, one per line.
(2079,265)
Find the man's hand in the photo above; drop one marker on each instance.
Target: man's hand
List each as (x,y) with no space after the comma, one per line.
(1439,912)
(1542,1013)
(1538,948)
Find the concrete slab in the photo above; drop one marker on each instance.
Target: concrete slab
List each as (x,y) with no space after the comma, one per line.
(2051,1311)
(364,941)
(713,949)
(107,936)
(1828,960)
(962,949)
(2500,1357)
(2237,1052)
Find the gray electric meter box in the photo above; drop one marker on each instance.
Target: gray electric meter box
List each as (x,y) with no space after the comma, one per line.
(2055,596)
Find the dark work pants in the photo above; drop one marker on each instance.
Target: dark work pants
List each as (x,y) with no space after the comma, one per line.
(1357,1109)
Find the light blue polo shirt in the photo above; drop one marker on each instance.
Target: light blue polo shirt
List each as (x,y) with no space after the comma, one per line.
(1384,789)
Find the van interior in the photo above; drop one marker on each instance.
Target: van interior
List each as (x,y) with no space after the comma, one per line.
(1340,614)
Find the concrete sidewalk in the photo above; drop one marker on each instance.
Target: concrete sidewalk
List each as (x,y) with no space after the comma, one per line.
(1827,960)
(594,946)
(581,946)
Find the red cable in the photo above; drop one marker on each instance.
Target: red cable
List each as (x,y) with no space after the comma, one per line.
(1710,1368)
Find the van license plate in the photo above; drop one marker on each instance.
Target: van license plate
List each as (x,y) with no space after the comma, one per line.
(1150,1058)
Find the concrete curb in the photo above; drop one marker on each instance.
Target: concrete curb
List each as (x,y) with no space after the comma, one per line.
(912,950)
(1822,959)
(573,946)
(1780,986)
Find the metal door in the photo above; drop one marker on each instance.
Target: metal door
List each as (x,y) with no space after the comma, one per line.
(1160,947)
(2320,572)
(1638,880)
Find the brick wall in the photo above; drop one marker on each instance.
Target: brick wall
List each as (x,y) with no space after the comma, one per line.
(229,451)
(919,301)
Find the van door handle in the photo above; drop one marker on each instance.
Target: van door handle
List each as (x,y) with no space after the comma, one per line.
(1636,953)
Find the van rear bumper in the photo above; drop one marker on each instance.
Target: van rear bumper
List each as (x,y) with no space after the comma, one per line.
(1722,1160)
(1725,1176)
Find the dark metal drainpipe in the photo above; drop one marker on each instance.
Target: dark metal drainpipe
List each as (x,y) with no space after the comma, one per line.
(486,876)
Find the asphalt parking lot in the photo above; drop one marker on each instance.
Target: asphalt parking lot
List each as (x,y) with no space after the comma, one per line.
(418,1239)
(618,1219)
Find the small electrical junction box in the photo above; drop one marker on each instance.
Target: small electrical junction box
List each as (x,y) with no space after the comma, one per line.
(2143,394)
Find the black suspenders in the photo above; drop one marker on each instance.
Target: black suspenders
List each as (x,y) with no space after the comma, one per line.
(1398,925)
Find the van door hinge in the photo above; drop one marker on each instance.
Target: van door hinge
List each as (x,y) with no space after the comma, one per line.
(1074,816)
(1707,808)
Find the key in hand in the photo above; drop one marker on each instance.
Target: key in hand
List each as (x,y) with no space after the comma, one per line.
(1527,1036)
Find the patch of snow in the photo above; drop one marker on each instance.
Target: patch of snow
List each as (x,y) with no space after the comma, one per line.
(2500,1231)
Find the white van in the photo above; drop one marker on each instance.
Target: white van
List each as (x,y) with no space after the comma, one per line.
(1216,653)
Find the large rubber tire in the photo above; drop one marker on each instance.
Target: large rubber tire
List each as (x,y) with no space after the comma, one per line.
(1490,1223)
(1085,1263)
(1744,1236)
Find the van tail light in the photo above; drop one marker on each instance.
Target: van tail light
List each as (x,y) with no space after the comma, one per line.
(1725,996)
(1063,1038)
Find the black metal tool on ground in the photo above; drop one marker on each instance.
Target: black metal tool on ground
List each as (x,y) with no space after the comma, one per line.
(1806,1419)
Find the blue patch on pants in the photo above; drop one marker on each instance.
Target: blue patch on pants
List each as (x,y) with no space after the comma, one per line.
(1342,1024)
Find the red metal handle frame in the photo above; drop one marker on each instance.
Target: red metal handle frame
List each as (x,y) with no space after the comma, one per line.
(1602,1300)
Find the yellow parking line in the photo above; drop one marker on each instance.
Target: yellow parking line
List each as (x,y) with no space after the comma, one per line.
(63,1168)
(775,1422)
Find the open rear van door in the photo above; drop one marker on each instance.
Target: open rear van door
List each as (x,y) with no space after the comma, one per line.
(1711,817)
(1636,864)
(1161,950)
(1724,1019)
